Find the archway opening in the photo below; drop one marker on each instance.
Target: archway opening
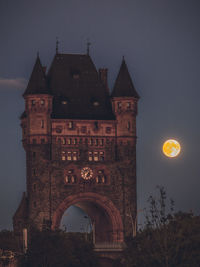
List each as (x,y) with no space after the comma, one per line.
(89,219)
(105,218)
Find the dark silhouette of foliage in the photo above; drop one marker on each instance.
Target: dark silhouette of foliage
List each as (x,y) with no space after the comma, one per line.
(8,241)
(168,239)
(59,249)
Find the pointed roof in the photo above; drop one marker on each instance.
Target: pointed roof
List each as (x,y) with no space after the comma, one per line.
(123,84)
(37,82)
(73,79)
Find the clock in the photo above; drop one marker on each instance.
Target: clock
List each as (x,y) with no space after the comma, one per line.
(86,173)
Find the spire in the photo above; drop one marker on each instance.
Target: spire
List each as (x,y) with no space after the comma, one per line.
(123,84)
(57,43)
(88,47)
(37,82)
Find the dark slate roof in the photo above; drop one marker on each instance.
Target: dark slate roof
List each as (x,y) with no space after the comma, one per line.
(37,82)
(78,92)
(123,85)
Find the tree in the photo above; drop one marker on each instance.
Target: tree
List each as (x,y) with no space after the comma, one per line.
(59,249)
(167,239)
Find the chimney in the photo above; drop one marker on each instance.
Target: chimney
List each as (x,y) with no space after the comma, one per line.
(103,73)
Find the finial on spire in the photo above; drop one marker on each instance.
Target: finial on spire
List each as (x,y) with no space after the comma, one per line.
(57,43)
(37,53)
(88,46)
(123,58)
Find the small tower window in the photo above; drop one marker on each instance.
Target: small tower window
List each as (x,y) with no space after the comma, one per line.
(75,141)
(70,125)
(90,156)
(42,102)
(69,155)
(96,157)
(108,130)
(101,141)
(101,156)
(69,141)
(128,125)
(64,141)
(128,105)
(33,102)
(42,124)
(63,155)
(75,155)
(91,141)
(119,105)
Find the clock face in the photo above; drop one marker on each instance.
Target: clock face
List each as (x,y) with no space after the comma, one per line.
(86,173)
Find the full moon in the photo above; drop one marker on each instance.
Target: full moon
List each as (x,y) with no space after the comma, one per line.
(171,148)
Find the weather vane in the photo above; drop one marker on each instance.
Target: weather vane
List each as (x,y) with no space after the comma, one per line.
(88,46)
(57,43)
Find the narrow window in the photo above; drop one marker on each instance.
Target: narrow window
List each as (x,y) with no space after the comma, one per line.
(119,105)
(101,155)
(128,125)
(90,141)
(108,130)
(42,123)
(67,179)
(33,102)
(101,142)
(103,180)
(74,155)
(42,102)
(42,141)
(70,125)
(63,155)
(128,105)
(73,179)
(90,156)
(64,141)
(69,141)
(96,156)
(96,125)
(96,142)
(69,155)
(75,141)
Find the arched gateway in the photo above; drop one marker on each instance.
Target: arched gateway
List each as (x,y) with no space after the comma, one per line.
(104,215)
(80,144)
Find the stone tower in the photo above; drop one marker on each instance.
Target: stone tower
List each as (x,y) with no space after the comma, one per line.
(80,145)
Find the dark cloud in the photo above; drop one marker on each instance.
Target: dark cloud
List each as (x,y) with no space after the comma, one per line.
(14,83)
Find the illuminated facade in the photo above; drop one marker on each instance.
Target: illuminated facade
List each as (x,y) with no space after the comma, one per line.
(80,144)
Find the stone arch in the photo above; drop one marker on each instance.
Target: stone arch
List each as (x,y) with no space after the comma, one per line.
(104,206)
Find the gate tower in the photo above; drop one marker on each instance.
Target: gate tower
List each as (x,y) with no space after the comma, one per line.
(80,144)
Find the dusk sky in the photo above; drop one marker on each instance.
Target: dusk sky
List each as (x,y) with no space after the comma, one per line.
(160,40)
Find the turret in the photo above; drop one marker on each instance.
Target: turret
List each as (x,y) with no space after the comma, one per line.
(38,107)
(124,102)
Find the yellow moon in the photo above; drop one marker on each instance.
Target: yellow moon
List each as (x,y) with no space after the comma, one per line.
(171,148)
